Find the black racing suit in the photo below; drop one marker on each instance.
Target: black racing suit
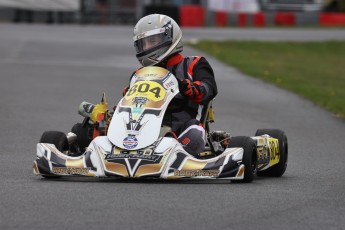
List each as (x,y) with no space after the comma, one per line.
(186,123)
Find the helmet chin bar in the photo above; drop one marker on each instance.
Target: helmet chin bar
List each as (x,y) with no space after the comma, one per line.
(150,62)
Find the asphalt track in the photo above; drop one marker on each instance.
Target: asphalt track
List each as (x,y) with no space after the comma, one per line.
(46,72)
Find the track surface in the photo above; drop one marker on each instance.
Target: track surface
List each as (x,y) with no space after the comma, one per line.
(46,72)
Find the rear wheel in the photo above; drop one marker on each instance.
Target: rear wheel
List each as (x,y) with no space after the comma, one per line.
(278,169)
(57,138)
(249,156)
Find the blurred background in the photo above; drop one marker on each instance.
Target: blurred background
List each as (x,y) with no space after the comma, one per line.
(190,13)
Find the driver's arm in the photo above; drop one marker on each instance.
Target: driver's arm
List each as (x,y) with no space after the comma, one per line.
(202,88)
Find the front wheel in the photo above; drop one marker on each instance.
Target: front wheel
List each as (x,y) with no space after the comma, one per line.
(57,138)
(249,156)
(278,169)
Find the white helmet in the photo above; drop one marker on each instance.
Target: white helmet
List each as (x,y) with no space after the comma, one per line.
(156,37)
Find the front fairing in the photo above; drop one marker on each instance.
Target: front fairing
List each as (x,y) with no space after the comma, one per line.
(164,159)
(138,117)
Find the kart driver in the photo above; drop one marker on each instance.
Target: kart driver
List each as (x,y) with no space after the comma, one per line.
(158,42)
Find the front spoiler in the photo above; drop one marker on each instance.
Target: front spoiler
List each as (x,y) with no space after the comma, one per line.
(101,160)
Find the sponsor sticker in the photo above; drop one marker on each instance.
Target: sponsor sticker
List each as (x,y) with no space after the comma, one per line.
(169,84)
(130,142)
(139,101)
(153,158)
(274,151)
(70,171)
(194,173)
(185,141)
(139,36)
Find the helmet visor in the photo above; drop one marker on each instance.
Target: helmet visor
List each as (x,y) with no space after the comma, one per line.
(151,40)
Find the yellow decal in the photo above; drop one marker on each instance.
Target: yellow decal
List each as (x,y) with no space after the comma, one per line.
(77,163)
(240,171)
(152,72)
(148,169)
(116,168)
(149,89)
(193,165)
(211,114)
(274,151)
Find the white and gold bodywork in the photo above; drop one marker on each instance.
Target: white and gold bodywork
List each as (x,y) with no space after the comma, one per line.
(135,147)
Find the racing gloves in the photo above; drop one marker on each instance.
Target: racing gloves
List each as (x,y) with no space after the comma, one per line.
(190,89)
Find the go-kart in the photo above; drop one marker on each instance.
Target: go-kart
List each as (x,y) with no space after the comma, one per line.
(134,141)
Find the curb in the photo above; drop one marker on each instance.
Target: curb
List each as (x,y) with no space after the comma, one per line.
(197,16)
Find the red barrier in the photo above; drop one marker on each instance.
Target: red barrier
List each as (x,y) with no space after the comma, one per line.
(285,19)
(259,19)
(332,19)
(192,16)
(221,19)
(242,19)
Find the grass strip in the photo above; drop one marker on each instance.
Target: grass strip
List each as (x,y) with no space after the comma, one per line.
(314,70)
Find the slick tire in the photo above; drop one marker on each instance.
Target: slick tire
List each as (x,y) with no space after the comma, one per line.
(249,156)
(57,138)
(279,169)
(83,137)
